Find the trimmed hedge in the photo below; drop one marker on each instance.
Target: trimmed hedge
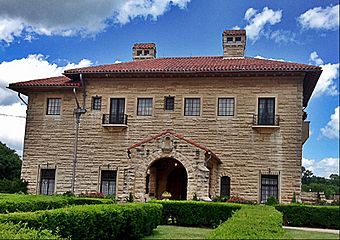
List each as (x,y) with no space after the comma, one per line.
(20,231)
(194,213)
(252,222)
(30,203)
(298,215)
(128,221)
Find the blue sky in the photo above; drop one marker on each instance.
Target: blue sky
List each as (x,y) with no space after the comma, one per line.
(37,44)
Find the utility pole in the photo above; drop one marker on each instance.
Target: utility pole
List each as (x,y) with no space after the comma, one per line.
(77,112)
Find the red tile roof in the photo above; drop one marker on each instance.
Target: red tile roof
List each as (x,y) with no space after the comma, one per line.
(60,81)
(197,65)
(234,32)
(144,45)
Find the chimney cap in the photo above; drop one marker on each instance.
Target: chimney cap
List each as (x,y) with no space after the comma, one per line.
(240,32)
(144,46)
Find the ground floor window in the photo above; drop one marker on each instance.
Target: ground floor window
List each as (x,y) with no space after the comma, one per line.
(269,187)
(108,182)
(225,186)
(47,181)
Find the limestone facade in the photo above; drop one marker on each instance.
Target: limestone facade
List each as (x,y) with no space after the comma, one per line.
(208,146)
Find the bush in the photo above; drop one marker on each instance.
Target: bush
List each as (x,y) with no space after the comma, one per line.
(298,215)
(128,221)
(272,201)
(20,231)
(238,199)
(195,213)
(251,222)
(26,203)
(15,185)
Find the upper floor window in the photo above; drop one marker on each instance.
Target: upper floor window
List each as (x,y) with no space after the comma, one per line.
(237,39)
(139,52)
(146,52)
(108,182)
(96,103)
(53,106)
(192,106)
(47,181)
(226,106)
(229,39)
(144,107)
(169,103)
(266,111)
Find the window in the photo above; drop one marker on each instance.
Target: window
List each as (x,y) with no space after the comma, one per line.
(96,103)
(237,39)
(169,103)
(269,187)
(146,52)
(225,186)
(47,181)
(117,111)
(108,182)
(53,106)
(229,39)
(139,52)
(266,111)
(144,106)
(226,106)
(192,106)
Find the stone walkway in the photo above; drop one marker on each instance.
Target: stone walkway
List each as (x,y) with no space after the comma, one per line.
(313,229)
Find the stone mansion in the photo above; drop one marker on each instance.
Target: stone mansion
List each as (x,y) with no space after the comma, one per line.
(205,126)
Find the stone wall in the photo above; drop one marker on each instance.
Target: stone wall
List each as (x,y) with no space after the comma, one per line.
(245,151)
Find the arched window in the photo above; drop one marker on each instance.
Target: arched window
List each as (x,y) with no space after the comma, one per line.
(225,186)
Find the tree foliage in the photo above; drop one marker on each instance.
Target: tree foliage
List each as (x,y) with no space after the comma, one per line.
(10,163)
(329,186)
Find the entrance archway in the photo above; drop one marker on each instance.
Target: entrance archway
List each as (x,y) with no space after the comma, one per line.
(167,174)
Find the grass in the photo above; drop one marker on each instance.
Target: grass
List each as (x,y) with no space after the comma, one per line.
(176,232)
(298,234)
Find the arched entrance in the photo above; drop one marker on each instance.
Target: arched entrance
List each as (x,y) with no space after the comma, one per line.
(167,174)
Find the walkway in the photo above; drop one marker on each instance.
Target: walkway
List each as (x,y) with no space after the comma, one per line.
(313,229)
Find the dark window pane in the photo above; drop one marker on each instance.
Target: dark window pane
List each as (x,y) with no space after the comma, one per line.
(144,107)
(117,110)
(192,107)
(269,187)
(169,103)
(229,39)
(238,39)
(226,106)
(96,103)
(266,111)
(53,106)
(47,181)
(146,52)
(108,182)
(225,186)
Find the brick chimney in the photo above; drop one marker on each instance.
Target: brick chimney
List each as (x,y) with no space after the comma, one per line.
(234,43)
(143,51)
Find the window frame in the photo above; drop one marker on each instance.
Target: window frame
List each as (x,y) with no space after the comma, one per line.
(151,109)
(166,103)
(266,121)
(218,106)
(59,108)
(277,185)
(110,182)
(238,37)
(232,39)
(50,186)
(228,187)
(94,98)
(185,103)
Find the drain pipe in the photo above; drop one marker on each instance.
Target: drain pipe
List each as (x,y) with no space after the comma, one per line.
(77,112)
(19,95)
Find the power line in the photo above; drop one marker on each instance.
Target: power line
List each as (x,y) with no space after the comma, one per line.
(8,115)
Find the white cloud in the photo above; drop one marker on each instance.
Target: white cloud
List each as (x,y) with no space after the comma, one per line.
(281,36)
(274,59)
(68,18)
(32,67)
(12,129)
(258,21)
(330,72)
(331,130)
(322,168)
(320,18)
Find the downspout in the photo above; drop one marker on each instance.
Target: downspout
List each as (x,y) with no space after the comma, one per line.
(84,89)
(22,99)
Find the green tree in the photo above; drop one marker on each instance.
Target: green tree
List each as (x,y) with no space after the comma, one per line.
(10,163)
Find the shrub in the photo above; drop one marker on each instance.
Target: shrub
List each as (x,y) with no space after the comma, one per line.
(93,194)
(196,213)
(26,203)
(238,199)
(15,185)
(128,221)
(299,215)
(251,222)
(272,201)
(20,231)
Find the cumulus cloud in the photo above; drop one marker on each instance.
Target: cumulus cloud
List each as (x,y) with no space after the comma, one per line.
(258,21)
(322,168)
(320,18)
(274,59)
(68,18)
(330,73)
(281,36)
(31,67)
(331,130)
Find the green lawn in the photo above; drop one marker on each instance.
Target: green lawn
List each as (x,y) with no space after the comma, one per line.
(176,232)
